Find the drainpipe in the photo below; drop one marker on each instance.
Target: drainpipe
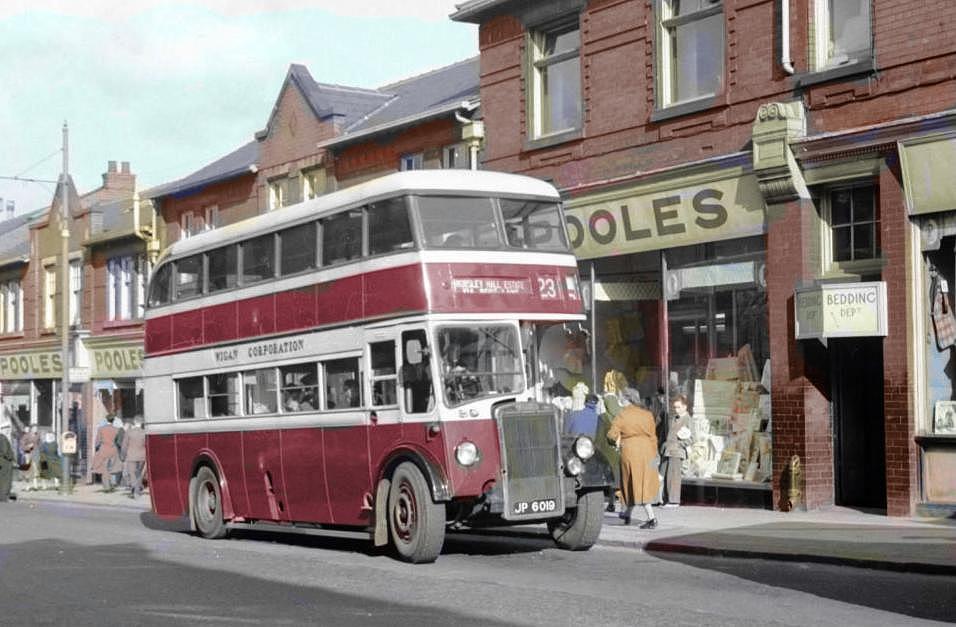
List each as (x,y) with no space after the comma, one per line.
(785,60)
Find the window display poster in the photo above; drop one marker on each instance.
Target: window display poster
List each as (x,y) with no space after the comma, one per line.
(944,417)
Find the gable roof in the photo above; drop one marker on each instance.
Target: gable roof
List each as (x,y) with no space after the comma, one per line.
(15,238)
(240,161)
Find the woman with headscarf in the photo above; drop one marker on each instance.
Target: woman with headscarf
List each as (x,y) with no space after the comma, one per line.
(633,432)
(106,461)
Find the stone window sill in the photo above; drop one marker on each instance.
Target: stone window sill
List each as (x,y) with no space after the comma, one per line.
(866,66)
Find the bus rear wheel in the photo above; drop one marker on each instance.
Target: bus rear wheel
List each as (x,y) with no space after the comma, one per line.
(207,505)
(579,528)
(416,523)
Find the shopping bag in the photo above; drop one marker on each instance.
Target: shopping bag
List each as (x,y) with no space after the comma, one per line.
(944,323)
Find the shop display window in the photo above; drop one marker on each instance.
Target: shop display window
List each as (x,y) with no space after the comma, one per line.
(17,401)
(940,280)
(719,356)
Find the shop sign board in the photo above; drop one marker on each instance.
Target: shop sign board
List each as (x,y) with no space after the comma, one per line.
(840,310)
(35,365)
(117,361)
(722,205)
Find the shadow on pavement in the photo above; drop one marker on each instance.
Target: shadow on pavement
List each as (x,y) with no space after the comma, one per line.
(457,543)
(914,594)
(59,582)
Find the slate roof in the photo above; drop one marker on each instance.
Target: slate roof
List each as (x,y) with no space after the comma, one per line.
(239,161)
(15,237)
(475,10)
(356,112)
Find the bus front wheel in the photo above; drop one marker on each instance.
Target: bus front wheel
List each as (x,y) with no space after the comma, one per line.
(416,523)
(579,528)
(207,505)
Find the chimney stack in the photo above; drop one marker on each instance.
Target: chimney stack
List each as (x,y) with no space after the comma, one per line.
(119,180)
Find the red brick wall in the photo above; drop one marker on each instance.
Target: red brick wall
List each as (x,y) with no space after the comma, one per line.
(902,488)
(916,56)
(381,157)
(236,198)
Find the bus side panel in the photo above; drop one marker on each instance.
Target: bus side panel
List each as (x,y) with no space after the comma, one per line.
(219,323)
(393,291)
(187,329)
(295,309)
(188,447)
(341,300)
(227,447)
(159,334)
(347,477)
(466,482)
(262,468)
(163,480)
(303,474)
(257,316)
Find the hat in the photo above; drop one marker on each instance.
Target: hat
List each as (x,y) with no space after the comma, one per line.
(633,396)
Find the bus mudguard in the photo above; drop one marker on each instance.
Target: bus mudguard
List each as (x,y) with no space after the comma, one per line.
(441,491)
(206,457)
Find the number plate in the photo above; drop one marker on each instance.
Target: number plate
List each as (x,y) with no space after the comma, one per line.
(544,506)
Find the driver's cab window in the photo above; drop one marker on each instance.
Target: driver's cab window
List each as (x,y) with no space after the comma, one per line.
(417,390)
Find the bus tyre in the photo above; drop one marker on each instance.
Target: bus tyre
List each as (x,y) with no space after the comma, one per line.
(207,505)
(415,522)
(579,528)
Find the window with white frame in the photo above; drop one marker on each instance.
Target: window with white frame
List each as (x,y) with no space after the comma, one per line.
(852,216)
(690,50)
(283,192)
(76,291)
(212,217)
(554,95)
(187,225)
(411,161)
(314,184)
(841,33)
(49,297)
(11,307)
(126,288)
(455,157)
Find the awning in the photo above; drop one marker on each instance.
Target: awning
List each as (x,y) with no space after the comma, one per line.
(929,165)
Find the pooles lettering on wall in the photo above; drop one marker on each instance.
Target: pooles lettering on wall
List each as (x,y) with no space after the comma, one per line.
(47,365)
(651,218)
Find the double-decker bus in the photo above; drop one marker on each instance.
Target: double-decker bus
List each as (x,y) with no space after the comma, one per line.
(353,365)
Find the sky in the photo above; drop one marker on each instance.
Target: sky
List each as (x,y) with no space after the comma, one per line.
(170,85)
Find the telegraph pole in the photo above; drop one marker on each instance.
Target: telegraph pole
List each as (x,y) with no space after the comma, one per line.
(65,306)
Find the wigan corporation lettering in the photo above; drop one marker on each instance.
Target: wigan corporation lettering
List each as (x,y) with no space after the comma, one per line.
(268,349)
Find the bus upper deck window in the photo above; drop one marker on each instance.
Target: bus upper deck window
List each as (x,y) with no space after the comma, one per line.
(159,286)
(388,226)
(188,277)
(342,237)
(458,222)
(297,249)
(533,225)
(258,259)
(223,268)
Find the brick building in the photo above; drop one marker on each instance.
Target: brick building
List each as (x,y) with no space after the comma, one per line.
(108,230)
(321,137)
(758,196)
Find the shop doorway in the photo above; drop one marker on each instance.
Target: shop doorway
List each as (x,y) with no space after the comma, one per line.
(859,446)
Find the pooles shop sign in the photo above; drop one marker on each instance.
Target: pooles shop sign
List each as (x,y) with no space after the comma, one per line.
(727,205)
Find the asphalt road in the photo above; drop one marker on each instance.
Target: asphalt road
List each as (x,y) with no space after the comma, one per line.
(79,565)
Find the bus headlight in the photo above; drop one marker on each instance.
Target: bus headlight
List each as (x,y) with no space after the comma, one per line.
(584,447)
(574,466)
(466,453)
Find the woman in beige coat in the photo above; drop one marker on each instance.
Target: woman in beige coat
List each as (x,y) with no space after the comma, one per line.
(634,432)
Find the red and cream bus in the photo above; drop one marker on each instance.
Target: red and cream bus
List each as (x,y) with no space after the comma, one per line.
(352,365)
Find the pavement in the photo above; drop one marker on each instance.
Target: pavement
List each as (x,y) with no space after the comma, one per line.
(835,535)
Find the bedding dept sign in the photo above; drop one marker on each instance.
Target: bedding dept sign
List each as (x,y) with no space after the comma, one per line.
(649,218)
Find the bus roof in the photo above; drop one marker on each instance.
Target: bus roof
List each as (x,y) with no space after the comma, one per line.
(414,181)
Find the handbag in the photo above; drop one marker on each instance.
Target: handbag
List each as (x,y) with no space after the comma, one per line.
(944,322)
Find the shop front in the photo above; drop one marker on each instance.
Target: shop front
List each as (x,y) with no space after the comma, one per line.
(930,193)
(30,382)
(673,273)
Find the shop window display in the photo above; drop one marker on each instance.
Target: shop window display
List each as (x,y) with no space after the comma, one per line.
(941,326)
(719,356)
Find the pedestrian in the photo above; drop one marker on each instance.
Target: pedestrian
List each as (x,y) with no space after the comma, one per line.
(29,448)
(49,462)
(134,446)
(674,450)
(8,463)
(614,385)
(105,456)
(583,419)
(119,477)
(632,431)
